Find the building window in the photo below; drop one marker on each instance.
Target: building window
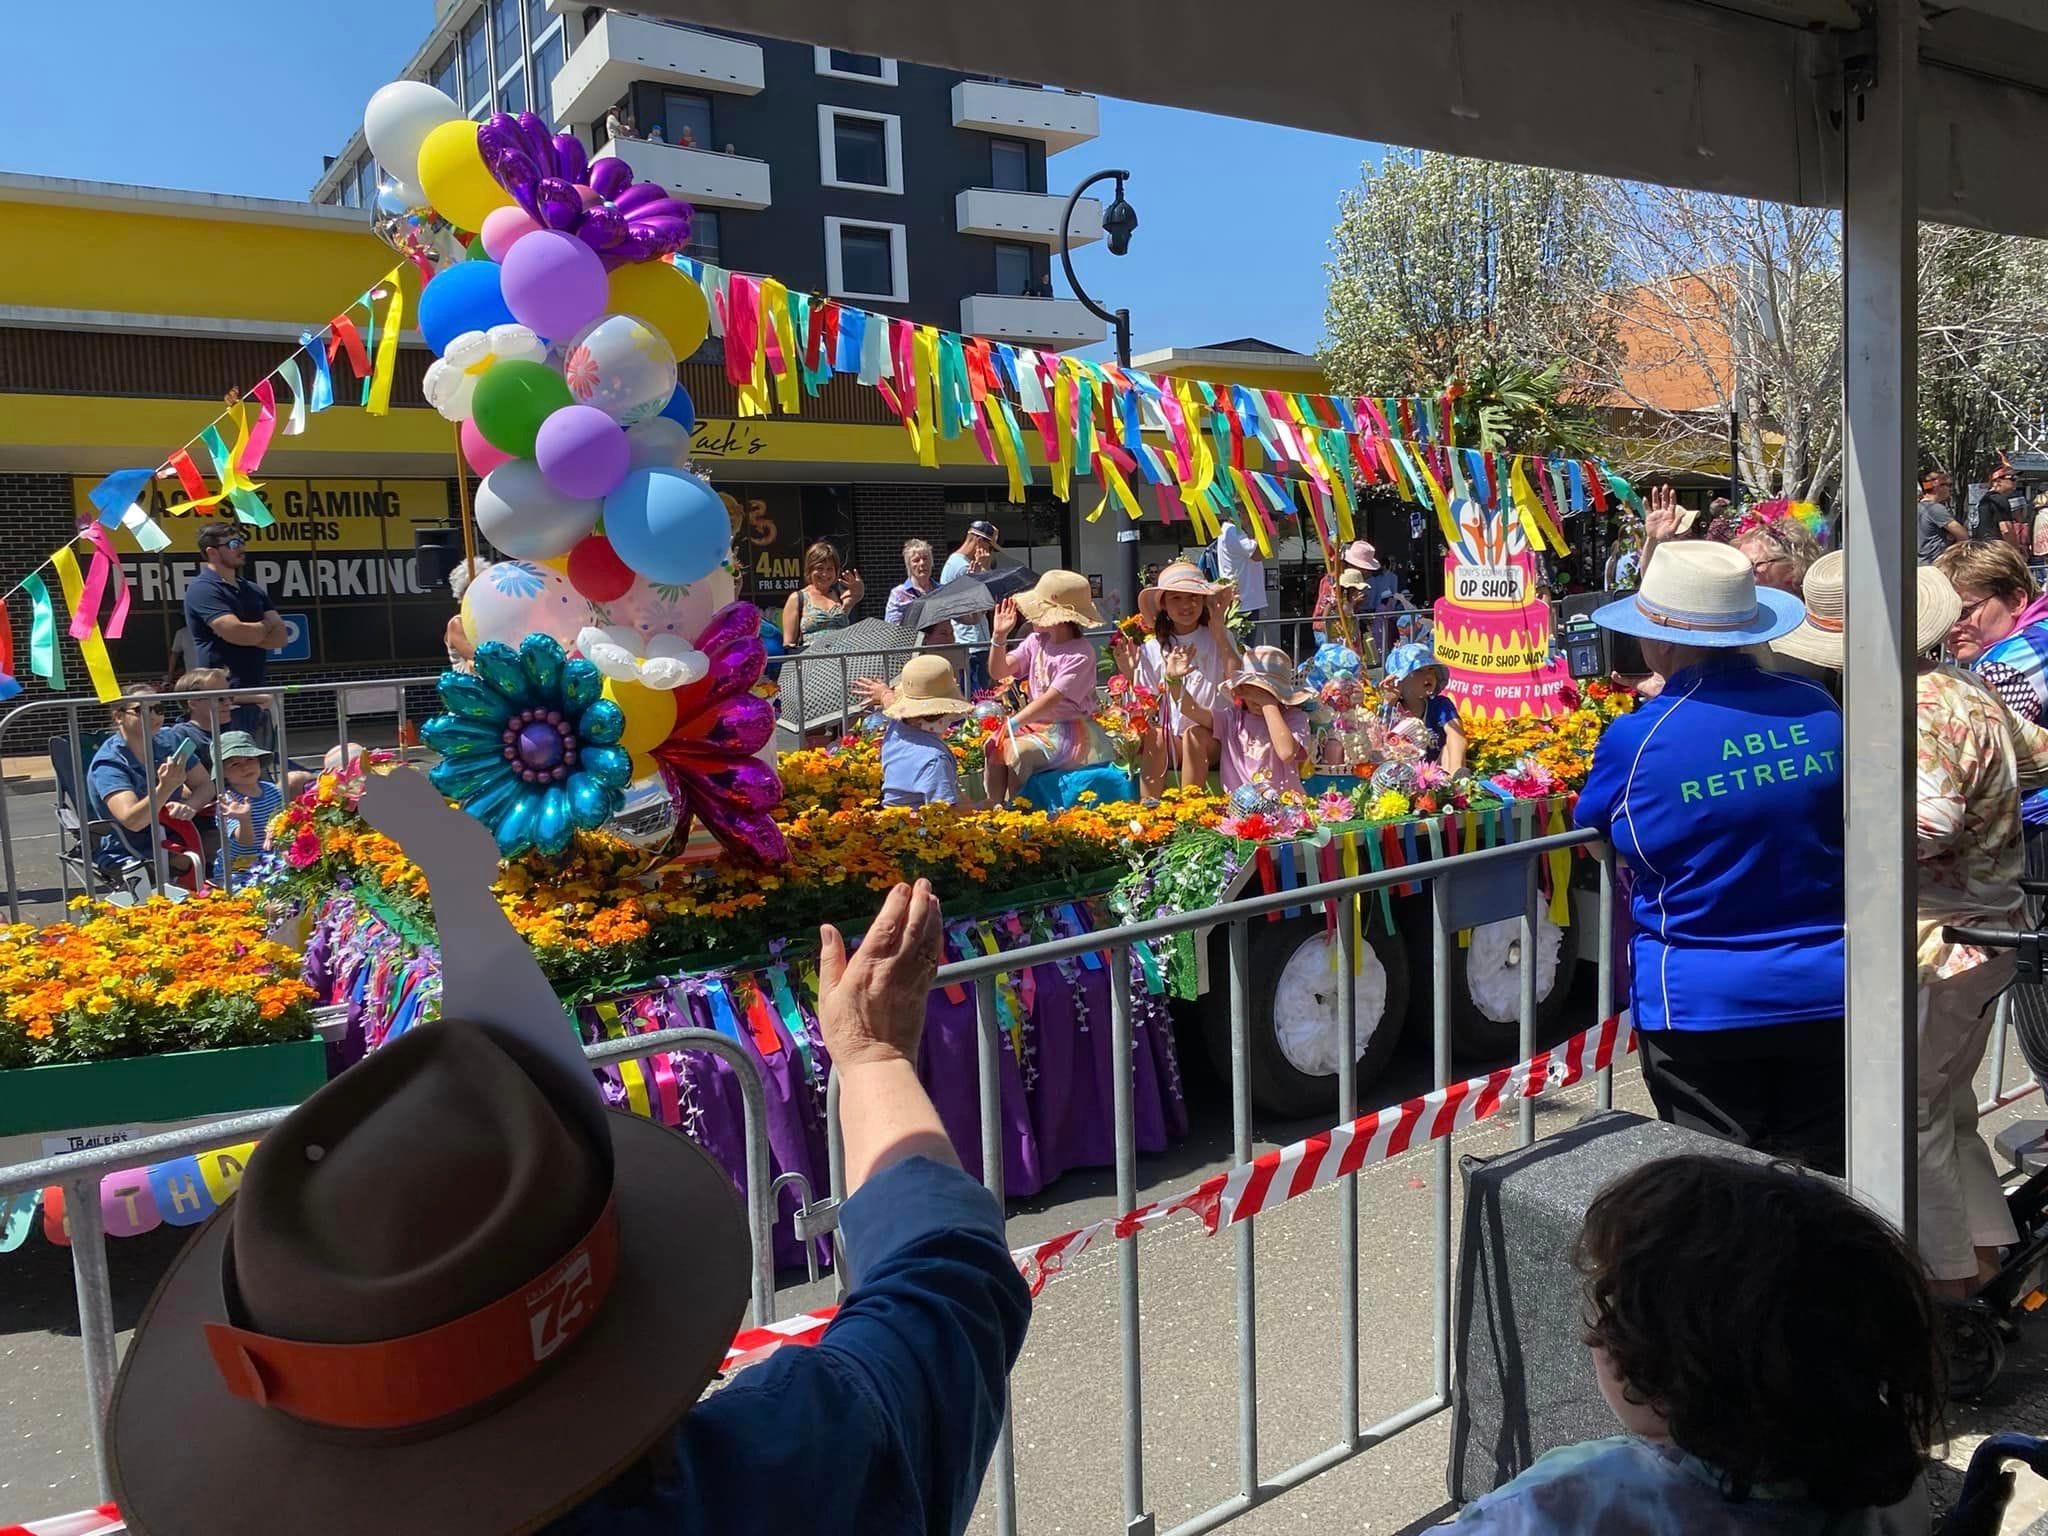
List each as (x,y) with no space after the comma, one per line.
(860,150)
(866,261)
(867,67)
(1009,165)
(705,234)
(351,194)
(1013,269)
(476,66)
(444,77)
(686,119)
(547,63)
(512,91)
(538,20)
(366,181)
(505,34)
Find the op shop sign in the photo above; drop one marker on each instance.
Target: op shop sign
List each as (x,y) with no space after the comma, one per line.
(1492,630)
(339,545)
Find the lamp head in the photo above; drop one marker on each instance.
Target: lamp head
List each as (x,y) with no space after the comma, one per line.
(1119,222)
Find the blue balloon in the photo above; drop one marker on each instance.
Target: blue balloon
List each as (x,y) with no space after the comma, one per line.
(667,525)
(464,296)
(681,409)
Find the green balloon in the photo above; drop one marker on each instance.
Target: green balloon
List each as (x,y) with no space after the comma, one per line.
(476,251)
(513,399)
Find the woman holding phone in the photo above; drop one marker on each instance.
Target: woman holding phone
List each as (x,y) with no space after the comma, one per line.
(826,600)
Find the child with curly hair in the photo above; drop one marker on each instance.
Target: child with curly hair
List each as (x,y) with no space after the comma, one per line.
(1768,1345)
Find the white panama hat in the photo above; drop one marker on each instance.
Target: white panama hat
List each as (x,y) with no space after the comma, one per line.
(1702,594)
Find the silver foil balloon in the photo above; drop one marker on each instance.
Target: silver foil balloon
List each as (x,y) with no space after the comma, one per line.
(419,234)
(648,818)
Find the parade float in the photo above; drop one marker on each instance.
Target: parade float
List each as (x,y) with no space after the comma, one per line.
(614,730)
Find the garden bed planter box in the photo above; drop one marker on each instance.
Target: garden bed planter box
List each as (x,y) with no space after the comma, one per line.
(180,1085)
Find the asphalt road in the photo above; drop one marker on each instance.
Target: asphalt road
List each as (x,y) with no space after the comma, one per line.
(1067,1393)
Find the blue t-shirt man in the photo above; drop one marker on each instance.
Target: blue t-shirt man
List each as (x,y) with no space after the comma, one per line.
(1724,794)
(114,767)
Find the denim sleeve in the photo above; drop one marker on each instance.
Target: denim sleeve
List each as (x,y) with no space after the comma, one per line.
(888,1423)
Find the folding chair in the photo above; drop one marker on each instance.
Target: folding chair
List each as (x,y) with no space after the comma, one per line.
(123,880)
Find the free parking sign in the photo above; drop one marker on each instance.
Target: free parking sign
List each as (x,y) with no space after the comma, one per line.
(299,645)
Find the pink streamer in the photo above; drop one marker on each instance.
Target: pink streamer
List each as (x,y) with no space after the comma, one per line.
(259,435)
(87,612)
(742,330)
(103,542)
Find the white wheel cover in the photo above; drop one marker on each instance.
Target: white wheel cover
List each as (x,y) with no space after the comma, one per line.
(1305,1004)
(1493,970)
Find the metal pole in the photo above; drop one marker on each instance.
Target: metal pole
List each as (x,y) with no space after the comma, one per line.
(835,1179)
(83,808)
(1247,1275)
(1135,1518)
(1604,1001)
(1440,1035)
(1880,395)
(1127,549)
(1526,939)
(1347,1187)
(87,1226)
(988,1044)
(7,854)
(160,856)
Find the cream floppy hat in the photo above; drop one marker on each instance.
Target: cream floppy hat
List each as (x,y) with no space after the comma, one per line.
(1702,594)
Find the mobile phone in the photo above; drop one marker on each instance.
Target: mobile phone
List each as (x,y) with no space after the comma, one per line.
(184,752)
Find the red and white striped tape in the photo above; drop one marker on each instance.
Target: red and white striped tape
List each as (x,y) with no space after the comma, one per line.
(1278,1176)
(104,1521)
(754,1344)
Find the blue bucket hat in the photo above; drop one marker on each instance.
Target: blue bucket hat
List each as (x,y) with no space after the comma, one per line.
(1404,660)
(1705,594)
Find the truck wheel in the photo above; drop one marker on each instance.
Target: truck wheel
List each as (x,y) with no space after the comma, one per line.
(1486,983)
(1292,1037)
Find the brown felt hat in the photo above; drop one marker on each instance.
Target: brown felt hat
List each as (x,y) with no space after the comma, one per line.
(453,1293)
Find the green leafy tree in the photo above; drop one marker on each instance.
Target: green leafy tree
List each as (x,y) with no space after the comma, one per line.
(1447,269)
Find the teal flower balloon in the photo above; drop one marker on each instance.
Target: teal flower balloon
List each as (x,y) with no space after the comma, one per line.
(529,745)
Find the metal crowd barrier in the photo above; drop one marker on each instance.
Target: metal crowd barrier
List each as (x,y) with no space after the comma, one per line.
(1255,1488)
(78,1175)
(75,711)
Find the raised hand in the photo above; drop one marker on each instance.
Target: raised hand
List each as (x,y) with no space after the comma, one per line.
(871,1007)
(1660,519)
(1005,619)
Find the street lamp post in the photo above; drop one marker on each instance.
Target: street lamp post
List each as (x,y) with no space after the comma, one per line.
(1119,221)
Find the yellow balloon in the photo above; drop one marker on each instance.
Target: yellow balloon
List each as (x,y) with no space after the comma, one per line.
(643,765)
(666,298)
(650,714)
(559,563)
(453,175)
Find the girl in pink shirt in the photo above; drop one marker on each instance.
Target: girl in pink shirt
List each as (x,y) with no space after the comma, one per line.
(1259,722)
(1057,728)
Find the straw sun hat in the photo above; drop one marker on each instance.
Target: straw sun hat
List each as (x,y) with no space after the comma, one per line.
(1181,576)
(927,689)
(1268,667)
(1818,639)
(1702,594)
(1061,597)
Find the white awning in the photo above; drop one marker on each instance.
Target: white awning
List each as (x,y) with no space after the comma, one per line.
(1738,96)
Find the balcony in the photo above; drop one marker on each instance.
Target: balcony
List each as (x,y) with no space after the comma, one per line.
(695,175)
(1057,119)
(621,49)
(1025,216)
(1053,324)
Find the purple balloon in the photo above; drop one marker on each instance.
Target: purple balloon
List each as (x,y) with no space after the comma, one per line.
(610,176)
(572,159)
(750,833)
(560,206)
(602,228)
(581,451)
(639,195)
(540,140)
(735,623)
(553,283)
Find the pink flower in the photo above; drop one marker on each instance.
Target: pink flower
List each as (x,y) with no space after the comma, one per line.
(304,851)
(1335,806)
(581,371)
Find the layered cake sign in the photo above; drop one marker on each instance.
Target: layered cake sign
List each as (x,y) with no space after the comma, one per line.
(1492,630)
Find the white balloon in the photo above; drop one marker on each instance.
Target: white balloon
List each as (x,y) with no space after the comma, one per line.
(528,519)
(651,609)
(622,654)
(513,599)
(397,120)
(452,378)
(657,443)
(623,366)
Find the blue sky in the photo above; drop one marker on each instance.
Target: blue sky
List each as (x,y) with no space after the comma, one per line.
(245,96)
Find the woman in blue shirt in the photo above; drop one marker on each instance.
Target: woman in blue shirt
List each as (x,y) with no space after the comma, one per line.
(1724,797)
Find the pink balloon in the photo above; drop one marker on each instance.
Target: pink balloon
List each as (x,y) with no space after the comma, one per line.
(502,227)
(482,457)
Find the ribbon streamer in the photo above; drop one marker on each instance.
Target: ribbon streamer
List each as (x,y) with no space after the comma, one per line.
(92,650)
(377,399)
(43,659)
(118,492)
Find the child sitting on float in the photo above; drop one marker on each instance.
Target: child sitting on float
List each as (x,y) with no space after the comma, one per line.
(1186,613)
(1056,728)
(922,707)
(1414,692)
(1260,725)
